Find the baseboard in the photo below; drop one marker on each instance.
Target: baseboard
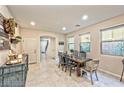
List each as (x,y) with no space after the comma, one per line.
(110,73)
(32,63)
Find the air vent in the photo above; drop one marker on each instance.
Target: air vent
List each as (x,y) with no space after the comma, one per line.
(78,25)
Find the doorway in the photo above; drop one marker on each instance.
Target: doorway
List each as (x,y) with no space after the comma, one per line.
(47,48)
(44,45)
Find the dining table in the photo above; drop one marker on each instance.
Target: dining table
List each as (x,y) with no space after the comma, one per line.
(79,62)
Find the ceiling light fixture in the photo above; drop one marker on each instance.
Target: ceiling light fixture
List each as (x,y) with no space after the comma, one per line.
(84,17)
(64,28)
(32,23)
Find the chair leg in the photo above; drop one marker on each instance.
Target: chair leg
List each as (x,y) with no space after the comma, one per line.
(70,71)
(91,77)
(62,67)
(65,68)
(84,73)
(59,66)
(96,75)
(81,73)
(122,74)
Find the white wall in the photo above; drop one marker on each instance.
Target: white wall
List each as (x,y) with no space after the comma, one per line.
(3,53)
(30,33)
(52,44)
(110,64)
(4,11)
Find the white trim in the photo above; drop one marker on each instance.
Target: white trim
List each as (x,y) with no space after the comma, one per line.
(112,27)
(84,33)
(110,73)
(72,36)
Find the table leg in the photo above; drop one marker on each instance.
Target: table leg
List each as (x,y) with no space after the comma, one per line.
(78,70)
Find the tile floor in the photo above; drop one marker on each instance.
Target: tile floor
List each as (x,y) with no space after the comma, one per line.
(47,74)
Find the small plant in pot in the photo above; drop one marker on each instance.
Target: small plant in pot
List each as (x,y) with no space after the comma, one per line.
(72,52)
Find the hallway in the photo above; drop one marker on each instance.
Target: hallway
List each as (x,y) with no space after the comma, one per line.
(47,74)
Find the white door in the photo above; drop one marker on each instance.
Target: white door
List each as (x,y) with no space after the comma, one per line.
(30,47)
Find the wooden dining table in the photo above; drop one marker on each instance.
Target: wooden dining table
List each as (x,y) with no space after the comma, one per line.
(79,63)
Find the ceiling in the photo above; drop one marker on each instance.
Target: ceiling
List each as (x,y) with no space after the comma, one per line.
(53,18)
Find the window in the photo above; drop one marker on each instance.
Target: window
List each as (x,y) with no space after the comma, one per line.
(113,41)
(85,42)
(71,43)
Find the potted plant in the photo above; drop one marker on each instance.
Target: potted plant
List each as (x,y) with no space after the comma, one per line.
(72,52)
(9,26)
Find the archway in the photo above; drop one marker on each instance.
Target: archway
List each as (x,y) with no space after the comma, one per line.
(48,47)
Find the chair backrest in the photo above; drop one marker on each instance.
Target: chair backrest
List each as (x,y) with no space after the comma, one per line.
(82,55)
(92,65)
(59,55)
(66,58)
(76,53)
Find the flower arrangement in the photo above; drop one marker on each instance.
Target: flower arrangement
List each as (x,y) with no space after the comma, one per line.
(9,26)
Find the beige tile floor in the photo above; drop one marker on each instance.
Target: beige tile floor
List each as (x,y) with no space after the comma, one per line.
(47,74)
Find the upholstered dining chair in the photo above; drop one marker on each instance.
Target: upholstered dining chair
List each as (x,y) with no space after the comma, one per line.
(91,67)
(61,60)
(82,55)
(122,70)
(76,53)
(69,64)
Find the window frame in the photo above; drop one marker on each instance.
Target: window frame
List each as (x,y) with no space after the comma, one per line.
(85,42)
(111,28)
(70,43)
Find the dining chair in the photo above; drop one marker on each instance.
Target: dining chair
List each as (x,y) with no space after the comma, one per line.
(91,67)
(82,55)
(63,63)
(61,60)
(76,53)
(69,64)
(122,70)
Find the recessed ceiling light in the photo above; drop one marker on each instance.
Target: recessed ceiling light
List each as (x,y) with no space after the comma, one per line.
(64,28)
(84,17)
(32,23)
